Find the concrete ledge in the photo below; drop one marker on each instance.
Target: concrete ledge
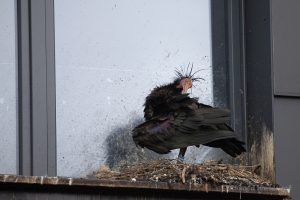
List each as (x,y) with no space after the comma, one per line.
(14,181)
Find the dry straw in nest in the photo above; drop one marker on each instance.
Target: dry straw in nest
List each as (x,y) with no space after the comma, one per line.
(171,171)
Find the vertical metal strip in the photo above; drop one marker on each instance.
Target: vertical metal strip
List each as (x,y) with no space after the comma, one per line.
(39,87)
(228,62)
(51,86)
(219,53)
(36,92)
(260,92)
(24,88)
(236,66)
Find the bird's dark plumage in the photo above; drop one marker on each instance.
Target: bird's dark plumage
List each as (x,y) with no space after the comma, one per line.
(175,120)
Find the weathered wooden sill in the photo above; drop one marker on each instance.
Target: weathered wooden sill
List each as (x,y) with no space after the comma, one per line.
(12,185)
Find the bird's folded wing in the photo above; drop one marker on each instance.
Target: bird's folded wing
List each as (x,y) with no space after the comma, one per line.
(183,129)
(203,127)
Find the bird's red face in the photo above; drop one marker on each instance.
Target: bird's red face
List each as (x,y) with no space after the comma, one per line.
(185,84)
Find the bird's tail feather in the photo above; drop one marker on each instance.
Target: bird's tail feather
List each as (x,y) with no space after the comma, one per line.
(231,146)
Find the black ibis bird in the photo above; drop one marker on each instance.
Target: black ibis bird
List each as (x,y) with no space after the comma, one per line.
(176,120)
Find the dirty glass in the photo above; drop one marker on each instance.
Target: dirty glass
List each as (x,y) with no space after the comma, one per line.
(109,55)
(7,88)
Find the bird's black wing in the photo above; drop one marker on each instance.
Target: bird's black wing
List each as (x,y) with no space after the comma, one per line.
(161,102)
(184,127)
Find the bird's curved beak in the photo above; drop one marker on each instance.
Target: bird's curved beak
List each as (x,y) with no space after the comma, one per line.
(186,85)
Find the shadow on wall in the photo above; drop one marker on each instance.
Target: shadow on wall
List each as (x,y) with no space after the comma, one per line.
(121,149)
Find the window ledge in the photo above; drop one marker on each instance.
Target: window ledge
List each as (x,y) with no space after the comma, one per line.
(13,181)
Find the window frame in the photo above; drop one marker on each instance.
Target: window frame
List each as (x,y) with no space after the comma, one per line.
(243,75)
(228,60)
(36,87)
(234,47)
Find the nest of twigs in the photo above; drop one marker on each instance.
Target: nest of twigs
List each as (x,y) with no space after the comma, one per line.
(171,171)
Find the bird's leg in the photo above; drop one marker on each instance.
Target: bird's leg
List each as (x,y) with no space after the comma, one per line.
(181,154)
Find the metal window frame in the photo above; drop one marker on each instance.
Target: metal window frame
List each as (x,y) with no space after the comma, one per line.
(260,88)
(243,74)
(36,87)
(239,29)
(229,60)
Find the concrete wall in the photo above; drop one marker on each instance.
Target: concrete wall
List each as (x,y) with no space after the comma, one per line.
(109,55)
(7,88)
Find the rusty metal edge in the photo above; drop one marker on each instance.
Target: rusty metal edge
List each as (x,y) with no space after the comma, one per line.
(123,184)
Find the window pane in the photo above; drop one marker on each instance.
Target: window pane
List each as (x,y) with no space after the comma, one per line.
(7,88)
(109,55)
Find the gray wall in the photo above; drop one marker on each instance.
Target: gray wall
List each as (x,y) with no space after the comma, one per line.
(286,59)
(109,55)
(7,88)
